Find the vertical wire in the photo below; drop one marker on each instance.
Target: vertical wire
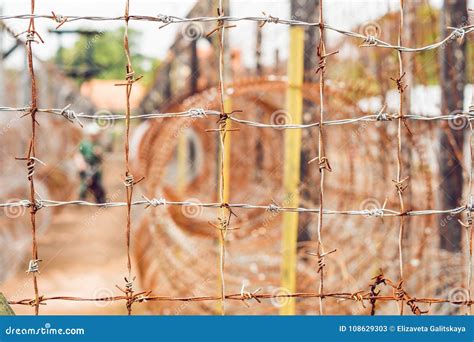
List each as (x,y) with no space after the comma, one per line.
(321,152)
(401,119)
(31,150)
(129,179)
(469,216)
(225,212)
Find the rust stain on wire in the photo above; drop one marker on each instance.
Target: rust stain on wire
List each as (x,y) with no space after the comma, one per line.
(31,159)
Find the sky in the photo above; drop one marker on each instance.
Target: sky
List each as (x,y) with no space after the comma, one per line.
(344,14)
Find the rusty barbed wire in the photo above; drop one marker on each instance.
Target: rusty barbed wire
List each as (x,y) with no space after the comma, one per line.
(130,297)
(200,113)
(226,213)
(31,159)
(357,296)
(469,220)
(322,159)
(401,184)
(129,180)
(372,41)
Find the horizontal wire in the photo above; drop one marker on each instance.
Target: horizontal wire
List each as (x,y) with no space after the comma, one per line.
(141,297)
(156,202)
(369,41)
(201,113)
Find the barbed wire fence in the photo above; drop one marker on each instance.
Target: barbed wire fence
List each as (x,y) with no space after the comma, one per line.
(130,296)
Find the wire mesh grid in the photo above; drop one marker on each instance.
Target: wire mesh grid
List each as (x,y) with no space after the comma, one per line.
(129,295)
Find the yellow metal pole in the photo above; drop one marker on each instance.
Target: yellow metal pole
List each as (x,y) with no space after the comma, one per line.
(182,161)
(226,185)
(227,155)
(292,166)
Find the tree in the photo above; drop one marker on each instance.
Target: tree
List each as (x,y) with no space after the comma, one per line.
(101,56)
(453,80)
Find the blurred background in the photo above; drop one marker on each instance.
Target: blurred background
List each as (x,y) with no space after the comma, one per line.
(175,251)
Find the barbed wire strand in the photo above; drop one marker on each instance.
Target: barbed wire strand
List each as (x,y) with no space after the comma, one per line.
(31,34)
(156,202)
(469,220)
(322,161)
(226,213)
(400,183)
(129,178)
(380,117)
(166,20)
(358,296)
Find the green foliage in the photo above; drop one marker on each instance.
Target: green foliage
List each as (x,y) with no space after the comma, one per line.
(102,56)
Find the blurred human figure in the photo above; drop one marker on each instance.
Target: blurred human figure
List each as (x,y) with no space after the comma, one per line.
(89,163)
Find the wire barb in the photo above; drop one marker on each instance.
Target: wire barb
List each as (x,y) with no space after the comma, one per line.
(33,266)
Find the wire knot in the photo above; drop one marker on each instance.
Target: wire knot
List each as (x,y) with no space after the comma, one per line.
(358,297)
(415,308)
(34,302)
(70,115)
(401,185)
(60,19)
(383,117)
(377,212)
(399,291)
(269,19)
(129,181)
(370,40)
(129,284)
(401,86)
(130,76)
(30,165)
(321,263)
(39,204)
(458,32)
(141,297)
(470,204)
(323,163)
(273,208)
(154,202)
(245,295)
(197,113)
(165,19)
(33,266)
(30,37)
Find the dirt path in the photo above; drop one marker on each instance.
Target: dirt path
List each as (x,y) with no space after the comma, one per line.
(83,254)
